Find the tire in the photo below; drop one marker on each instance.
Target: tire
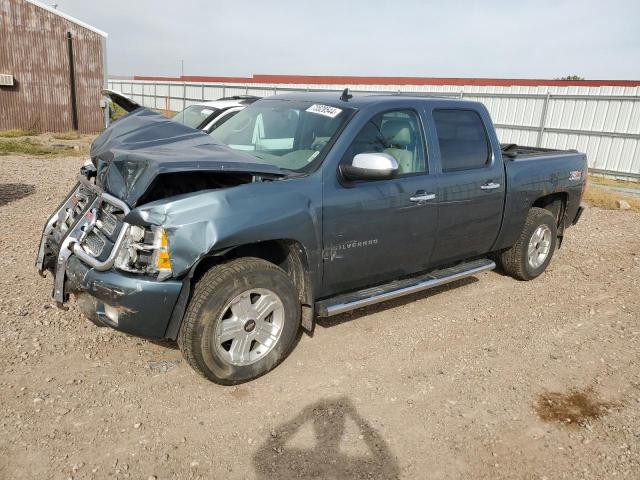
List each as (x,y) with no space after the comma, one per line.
(517,260)
(219,336)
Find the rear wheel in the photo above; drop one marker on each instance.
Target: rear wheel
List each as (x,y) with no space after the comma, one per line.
(241,321)
(532,252)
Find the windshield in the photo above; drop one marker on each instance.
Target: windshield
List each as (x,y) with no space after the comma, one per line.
(286,133)
(194,115)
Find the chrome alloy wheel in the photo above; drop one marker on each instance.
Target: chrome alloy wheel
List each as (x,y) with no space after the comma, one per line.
(250,326)
(539,246)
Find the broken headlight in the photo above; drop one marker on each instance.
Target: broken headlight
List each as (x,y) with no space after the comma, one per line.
(88,169)
(144,250)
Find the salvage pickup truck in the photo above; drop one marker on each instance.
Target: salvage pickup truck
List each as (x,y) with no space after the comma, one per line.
(300,206)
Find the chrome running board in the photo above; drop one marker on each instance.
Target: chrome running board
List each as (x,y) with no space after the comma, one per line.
(400,288)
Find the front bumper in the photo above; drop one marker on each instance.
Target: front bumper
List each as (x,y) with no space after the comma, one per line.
(136,304)
(130,303)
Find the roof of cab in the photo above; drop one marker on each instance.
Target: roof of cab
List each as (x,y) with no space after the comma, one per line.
(358,100)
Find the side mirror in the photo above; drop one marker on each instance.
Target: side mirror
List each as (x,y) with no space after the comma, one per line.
(370,166)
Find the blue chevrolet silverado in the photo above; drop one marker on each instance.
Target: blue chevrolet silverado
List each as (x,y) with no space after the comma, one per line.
(300,206)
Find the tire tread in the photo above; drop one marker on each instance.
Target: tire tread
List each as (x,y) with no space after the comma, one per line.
(511,259)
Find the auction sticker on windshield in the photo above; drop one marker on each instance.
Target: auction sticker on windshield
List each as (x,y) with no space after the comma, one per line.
(325,110)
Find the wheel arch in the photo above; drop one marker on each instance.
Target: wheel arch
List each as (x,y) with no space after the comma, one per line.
(556,203)
(288,254)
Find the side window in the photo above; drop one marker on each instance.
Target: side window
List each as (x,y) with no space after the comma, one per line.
(396,133)
(462,139)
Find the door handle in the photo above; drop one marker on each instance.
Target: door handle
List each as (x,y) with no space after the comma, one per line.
(422,197)
(490,186)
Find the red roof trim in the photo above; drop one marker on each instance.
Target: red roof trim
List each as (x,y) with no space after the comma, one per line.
(353,80)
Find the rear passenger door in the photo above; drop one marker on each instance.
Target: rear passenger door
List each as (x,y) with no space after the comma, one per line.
(471,184)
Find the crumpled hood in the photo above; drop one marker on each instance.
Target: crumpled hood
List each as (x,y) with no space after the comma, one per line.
(138,147)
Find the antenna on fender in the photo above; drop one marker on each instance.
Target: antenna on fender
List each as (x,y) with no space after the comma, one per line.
(345,95)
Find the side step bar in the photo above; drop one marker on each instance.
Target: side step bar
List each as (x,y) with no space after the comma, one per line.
(399,288)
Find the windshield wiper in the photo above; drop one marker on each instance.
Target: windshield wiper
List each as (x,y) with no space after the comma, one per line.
(288,171)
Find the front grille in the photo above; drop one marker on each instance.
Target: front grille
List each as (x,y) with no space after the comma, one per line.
(107,221)
(99,241)
(94,243)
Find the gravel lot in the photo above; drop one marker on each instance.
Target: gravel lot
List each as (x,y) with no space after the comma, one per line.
(488,378)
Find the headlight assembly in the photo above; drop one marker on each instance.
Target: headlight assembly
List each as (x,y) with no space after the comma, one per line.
(144,250)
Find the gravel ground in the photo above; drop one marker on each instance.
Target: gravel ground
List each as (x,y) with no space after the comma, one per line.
(487,378)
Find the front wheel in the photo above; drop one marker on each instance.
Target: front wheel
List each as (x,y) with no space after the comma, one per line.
(241,322)
(532,252)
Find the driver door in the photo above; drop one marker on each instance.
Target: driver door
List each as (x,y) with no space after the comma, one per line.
(377,230)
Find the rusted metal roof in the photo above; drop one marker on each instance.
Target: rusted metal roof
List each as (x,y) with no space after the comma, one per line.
(68,17)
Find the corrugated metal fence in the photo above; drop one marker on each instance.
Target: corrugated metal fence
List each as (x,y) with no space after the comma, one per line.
(604,122)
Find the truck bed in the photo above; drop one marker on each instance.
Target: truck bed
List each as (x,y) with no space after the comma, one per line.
(533,172)
(513,151)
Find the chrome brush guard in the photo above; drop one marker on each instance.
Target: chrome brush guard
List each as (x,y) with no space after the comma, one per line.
(75,219)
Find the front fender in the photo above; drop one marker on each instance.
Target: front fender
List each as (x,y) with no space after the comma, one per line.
(200,223)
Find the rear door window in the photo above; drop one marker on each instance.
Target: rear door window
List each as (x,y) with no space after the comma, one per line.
(462,138)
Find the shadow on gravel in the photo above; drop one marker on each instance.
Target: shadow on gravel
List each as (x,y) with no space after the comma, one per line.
(380,307)
(10,192)
(328,439)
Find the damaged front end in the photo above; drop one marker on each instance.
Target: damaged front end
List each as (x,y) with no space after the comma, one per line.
(81,244)
(145,157)
(120,269)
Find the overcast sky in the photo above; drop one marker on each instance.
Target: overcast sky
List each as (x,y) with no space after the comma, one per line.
(463,38)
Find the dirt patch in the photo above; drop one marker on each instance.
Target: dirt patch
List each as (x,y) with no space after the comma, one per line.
(10,192)
(573,408)
(70,135)
(27,146)
(24,143)
(240,393)
(605,193)
(603,198)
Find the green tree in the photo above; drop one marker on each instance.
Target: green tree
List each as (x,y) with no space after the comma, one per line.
(571,77)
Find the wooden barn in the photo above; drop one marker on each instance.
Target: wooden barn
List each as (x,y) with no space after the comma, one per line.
(52,69)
